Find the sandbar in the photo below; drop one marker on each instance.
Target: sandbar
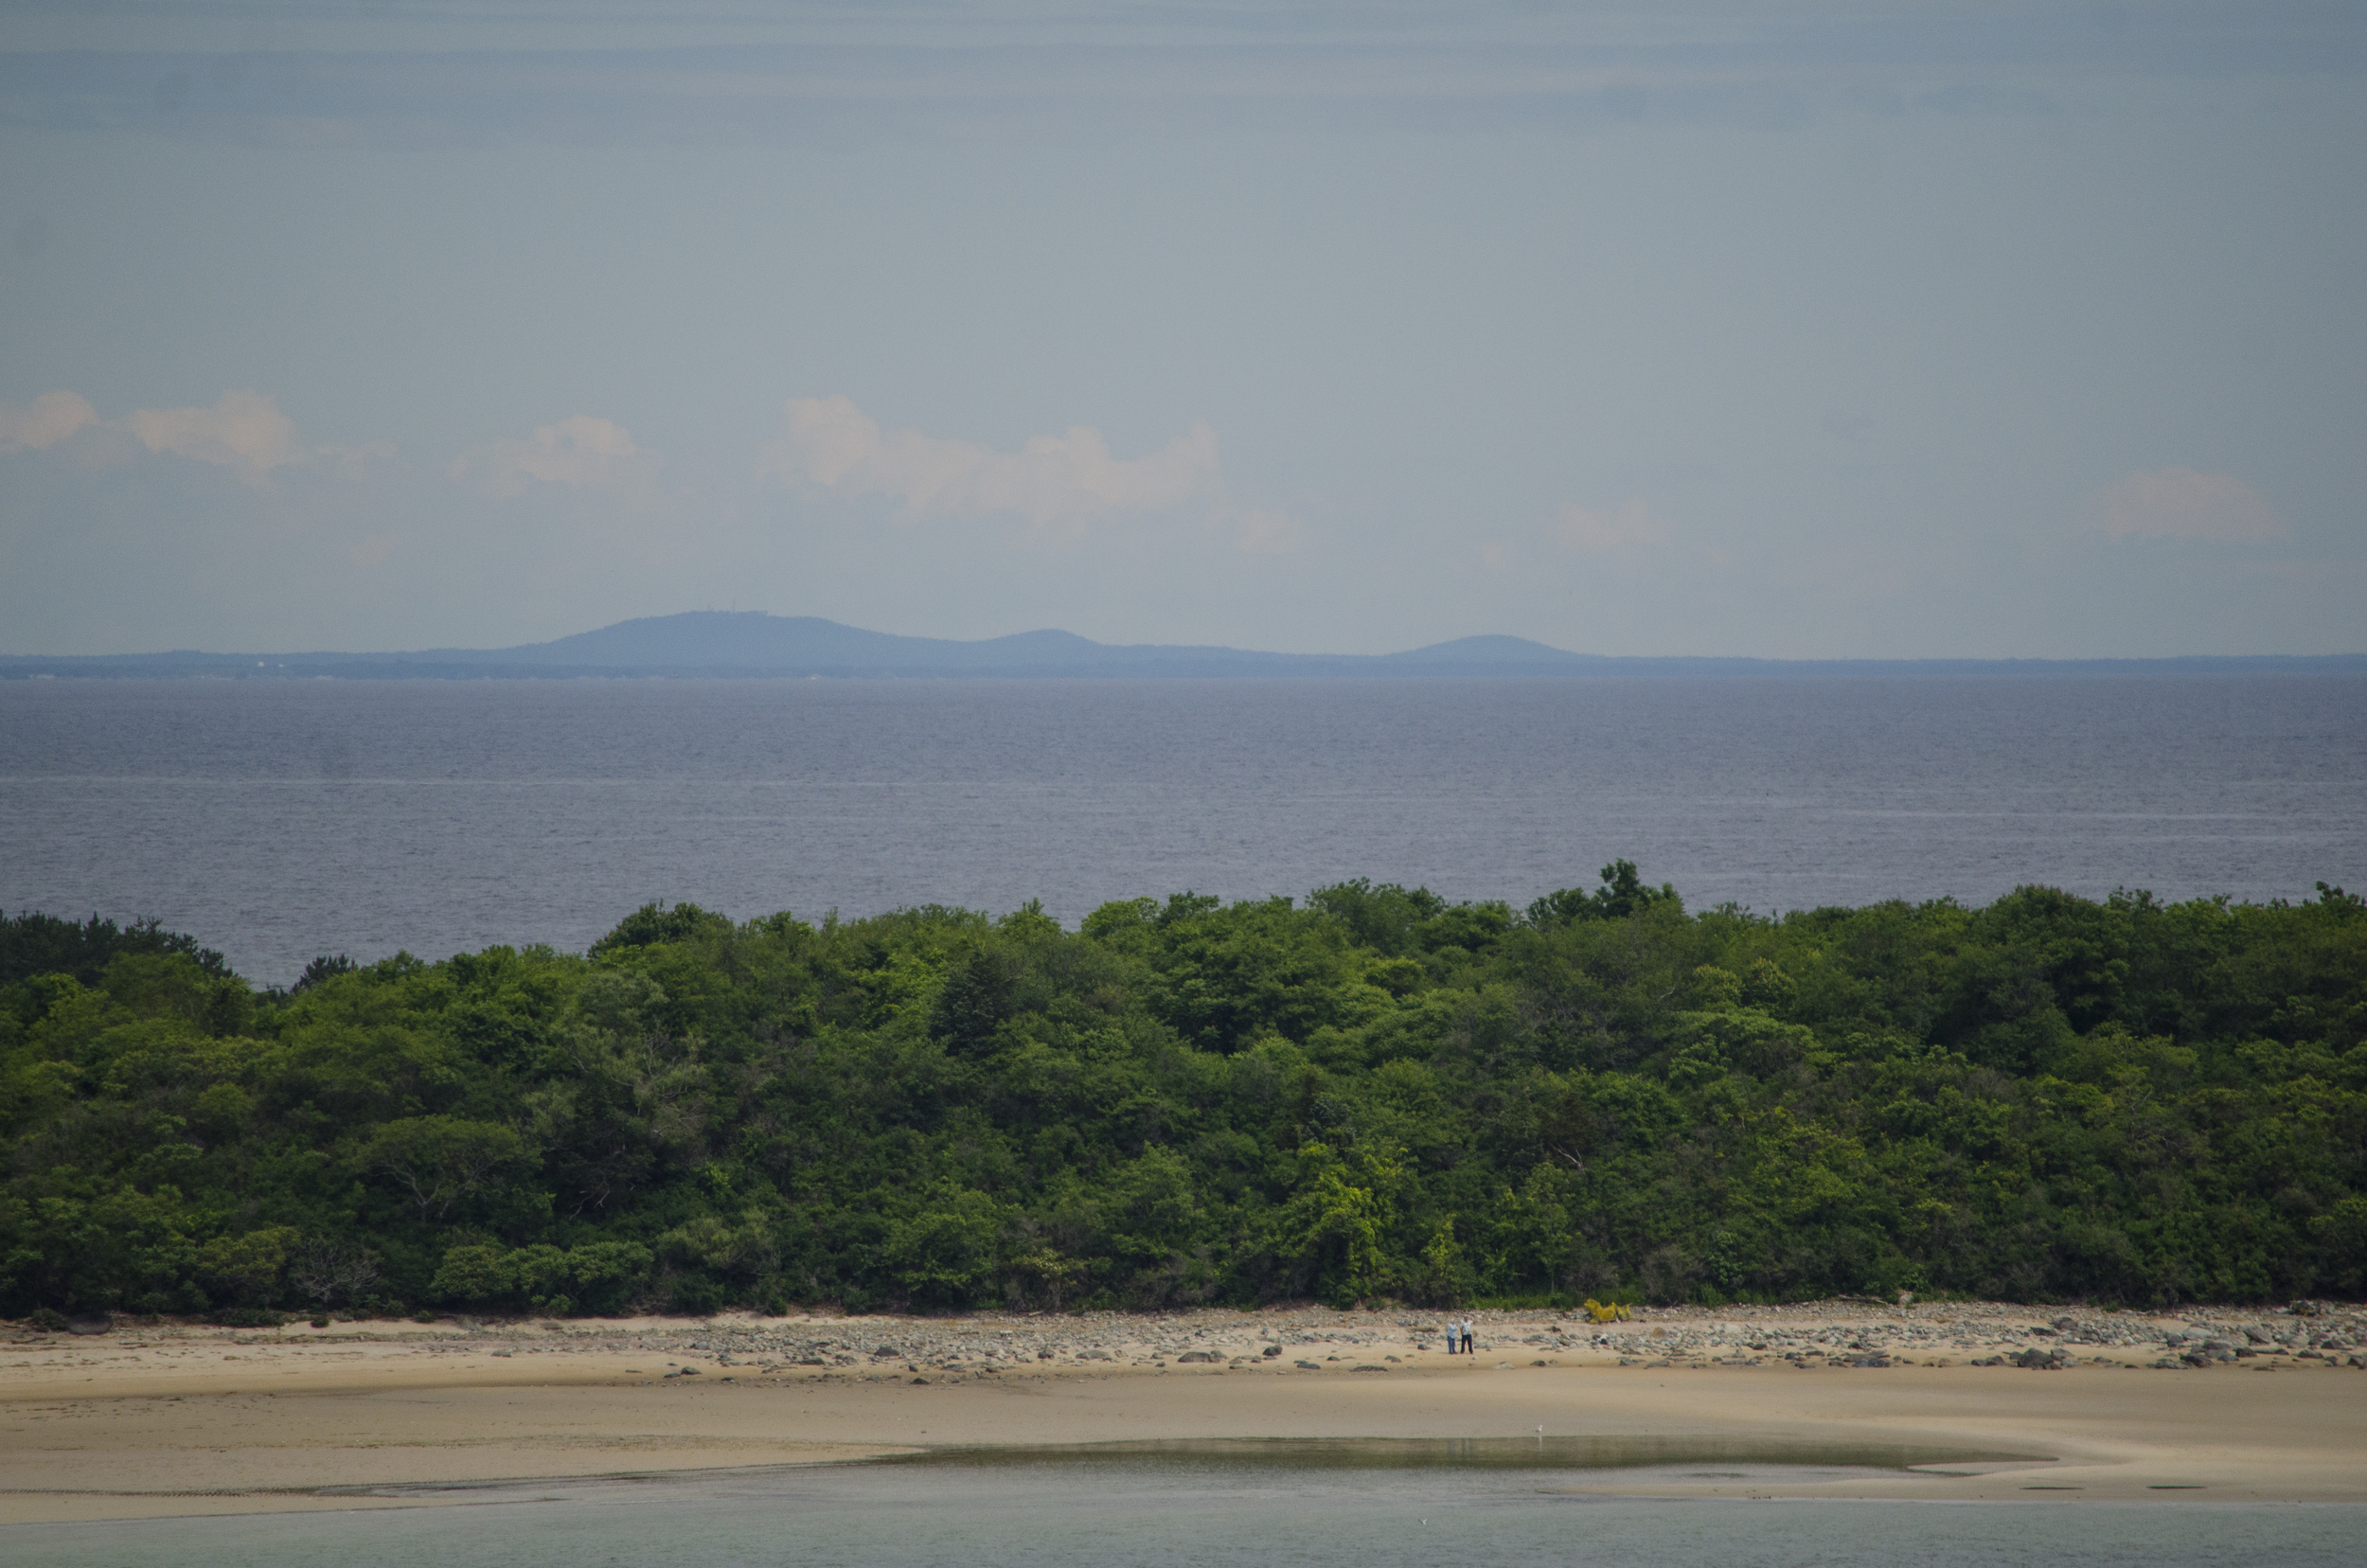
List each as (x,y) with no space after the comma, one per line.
(160,1419)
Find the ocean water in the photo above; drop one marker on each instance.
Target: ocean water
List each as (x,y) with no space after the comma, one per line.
(280,820)
(1178,1510)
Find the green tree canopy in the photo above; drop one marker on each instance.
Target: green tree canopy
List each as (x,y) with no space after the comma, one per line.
(1372,1093)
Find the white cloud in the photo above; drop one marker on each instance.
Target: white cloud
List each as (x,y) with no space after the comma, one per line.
(48,419)
(1629,527)
(243,431)
(582,453)
(1056,482)
(2178,503)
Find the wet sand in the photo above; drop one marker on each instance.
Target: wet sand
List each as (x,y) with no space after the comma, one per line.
(163,1419)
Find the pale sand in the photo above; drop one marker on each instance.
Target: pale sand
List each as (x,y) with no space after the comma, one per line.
(164,1420)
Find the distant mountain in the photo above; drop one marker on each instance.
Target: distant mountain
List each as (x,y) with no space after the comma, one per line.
(754,643)
(750,640)
(748,643)
(1493,653)
(716,643)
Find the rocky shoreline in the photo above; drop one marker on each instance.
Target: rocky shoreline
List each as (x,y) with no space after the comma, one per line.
(1316,1339)
(151,1417)
(1305,1340)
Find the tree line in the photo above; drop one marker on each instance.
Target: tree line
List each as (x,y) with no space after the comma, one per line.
(1370,1093)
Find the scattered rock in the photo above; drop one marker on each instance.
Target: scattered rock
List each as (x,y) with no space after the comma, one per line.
(1841,1334)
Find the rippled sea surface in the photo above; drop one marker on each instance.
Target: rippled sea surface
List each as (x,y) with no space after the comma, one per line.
(1155,1510)
(278,820)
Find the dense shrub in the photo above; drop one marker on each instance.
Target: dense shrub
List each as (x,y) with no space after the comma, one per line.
(1373,1094)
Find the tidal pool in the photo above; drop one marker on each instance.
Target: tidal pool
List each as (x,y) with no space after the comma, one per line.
(1542,1453)
(1286,1504)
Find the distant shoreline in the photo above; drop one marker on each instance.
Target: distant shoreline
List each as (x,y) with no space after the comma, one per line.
(361,667)
(730,645)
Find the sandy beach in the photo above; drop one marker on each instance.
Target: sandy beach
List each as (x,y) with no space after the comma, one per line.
(165,1419)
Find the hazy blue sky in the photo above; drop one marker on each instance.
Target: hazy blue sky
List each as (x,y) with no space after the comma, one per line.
(1893,328)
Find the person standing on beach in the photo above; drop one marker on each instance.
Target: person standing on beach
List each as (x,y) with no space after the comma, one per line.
(1467,1337)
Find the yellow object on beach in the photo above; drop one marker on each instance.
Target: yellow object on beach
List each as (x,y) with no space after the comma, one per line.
(1605,1312)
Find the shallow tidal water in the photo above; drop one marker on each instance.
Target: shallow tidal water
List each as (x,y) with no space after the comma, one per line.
(281,820)
(1281,1504)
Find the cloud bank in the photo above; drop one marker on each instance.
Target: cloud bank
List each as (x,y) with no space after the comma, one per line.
(243,431)
(582,453)
(569,524)
(46,420)
(1061,484)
